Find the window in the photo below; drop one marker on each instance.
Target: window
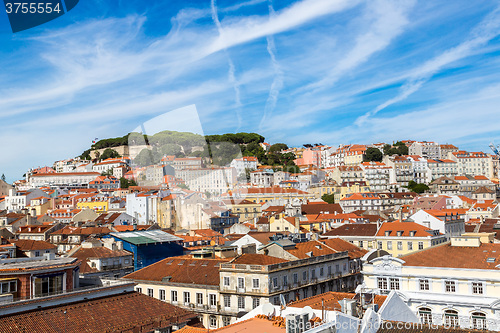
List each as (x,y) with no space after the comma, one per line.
(213,300)
(226,321)
(255,283)
(304,275)
(360,243)
(382,283)
(227,301)
(255,302)
(162,294)
(226,281)
(199,298)
(410,246)
(8,287)
(389,245)
(478,321)
(276,300)
(425,316)
(420,245)
(275,282)
(305,293)
(241,283)
(477,288)
(424,284)
(213,321)
(173,296)
(449,286)
(295,278)
(37,253)
(48,285)
(150,292)
(313,273)
(450,318)
(241,302)
(394,283)
(379,245)
(400,246)
(329,270)
(187,297)
(321,271)
(285,280)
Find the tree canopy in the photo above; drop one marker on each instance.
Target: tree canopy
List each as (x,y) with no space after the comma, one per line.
(373,155)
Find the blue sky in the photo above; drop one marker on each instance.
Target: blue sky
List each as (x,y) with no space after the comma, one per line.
(309,71)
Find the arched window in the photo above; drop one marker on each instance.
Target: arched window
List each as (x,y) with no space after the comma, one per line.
(478,320)
(425,315)
(451,318)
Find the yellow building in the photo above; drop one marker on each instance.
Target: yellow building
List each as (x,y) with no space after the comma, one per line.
(400,238)
(246,210)
(97,205)
(280,223)
(39,205)
(266,194)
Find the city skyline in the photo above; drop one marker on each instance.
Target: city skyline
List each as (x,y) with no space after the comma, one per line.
(371,72)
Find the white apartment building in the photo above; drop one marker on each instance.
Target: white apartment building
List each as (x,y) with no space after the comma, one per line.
(421,172)
(473,163)
(456,284)
(244,163)
(425,149)
(377,175)
(442,168)
(215,181)
(63,179)
(17,200)
(447,223)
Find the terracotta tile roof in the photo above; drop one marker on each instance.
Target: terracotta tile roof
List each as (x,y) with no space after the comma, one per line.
(361,229)
(263,237)
(191,329)
(315,248)
(118,313)
(84,254)
(182,269)
(331,300)
(123,228)
(69,230)
(319,208)
(32,245)
(34,229)
(456,257)
(341,245)
(405,228)
(257,259)
(274,190)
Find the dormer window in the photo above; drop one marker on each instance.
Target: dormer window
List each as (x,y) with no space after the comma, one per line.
(400,233)
(388,233)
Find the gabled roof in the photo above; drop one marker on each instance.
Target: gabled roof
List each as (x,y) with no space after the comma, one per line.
(330,300)
(354,229)
(32,245)
(406,229)
(182,269)
(456,257)
(125,312)
(84,254)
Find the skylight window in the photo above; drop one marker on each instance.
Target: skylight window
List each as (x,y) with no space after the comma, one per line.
(490,259)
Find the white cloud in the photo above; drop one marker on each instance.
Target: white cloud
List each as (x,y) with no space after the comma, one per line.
(488,29)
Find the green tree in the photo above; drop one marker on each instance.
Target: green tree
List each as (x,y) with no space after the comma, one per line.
(373,155)
(329,198)
(109,153)
(277,147)
(184,186)
(124,182)
(3,177)
(417,188)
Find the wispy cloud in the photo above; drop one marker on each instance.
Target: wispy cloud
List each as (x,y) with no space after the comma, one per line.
(231,73)
(384,20)
(277,83)
(488,29)
(251,28)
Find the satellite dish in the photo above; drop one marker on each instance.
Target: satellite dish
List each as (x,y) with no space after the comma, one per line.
(268,310)
(282,300)
(309,311)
